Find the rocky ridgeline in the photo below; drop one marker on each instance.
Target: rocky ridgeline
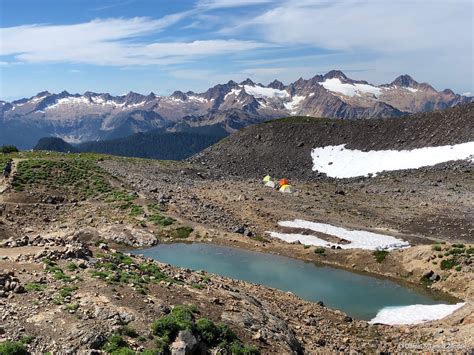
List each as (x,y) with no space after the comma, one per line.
(9,284)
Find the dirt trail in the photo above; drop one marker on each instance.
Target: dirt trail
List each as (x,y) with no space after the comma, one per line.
(5,184)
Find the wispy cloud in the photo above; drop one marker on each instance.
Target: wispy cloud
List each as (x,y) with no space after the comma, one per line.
(220,4)
(373,25)
(110,42)
(116,4)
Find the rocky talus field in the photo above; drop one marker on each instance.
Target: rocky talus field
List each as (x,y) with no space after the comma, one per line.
(68,284)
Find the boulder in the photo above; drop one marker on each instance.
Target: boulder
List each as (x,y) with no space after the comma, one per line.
(185,343)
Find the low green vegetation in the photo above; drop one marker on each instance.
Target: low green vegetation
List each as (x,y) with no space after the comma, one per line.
(4,159)
(64,293)
(136,210)
(77,175)
(7,149)
(57,272)
(13,348)
(436,247)
(380,255)
(128,331)
(27,339)
(212,334)
(35,287)
(71,267)
(116,345)
(261,239)
(181,232)
(118,268)
(165,329)
(448,264)
(456,250)
(156,207)
(320,250)
(160,220)
(72,306)
(120,196)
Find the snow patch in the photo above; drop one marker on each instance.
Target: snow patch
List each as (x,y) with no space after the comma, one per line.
(69,101)
(234,92)
(197,99)
(414,314)
(136,105)
(358,239)
(412,89)
(262,92)
(335,85)
(295,101)
(36,99)
(71,139)
(338,162)
(174,99)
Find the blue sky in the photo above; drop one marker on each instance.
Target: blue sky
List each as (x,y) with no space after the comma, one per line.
(160,46)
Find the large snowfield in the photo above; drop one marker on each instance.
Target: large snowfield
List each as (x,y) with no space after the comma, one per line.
(335,85)
(260,91)
(338,162)
(357,238)
(415,314)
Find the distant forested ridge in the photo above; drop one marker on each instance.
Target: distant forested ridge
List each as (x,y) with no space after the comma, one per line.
(156,144)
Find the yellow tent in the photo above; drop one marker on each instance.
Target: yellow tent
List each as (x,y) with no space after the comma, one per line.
(267,179)
(270,184)
(287,189)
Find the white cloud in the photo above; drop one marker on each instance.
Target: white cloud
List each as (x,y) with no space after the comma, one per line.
(109,42)
(381,26)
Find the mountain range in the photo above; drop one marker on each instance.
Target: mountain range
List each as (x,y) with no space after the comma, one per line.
(93,116)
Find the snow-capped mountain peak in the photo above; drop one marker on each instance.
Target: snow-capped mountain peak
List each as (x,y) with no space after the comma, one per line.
(92,116)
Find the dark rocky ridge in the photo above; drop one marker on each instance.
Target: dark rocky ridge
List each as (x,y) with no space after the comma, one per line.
(283,147)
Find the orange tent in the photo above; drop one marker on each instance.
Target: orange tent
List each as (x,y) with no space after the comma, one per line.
(284,182)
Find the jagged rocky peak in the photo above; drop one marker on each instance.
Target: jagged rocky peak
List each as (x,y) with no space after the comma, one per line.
(448,92)
(90,94)
(43,94)
(179,95)
(405,81)
(335,74)
(65,93)
(150,96)
(133,98)
(247,82)
(275,84)
(220,90)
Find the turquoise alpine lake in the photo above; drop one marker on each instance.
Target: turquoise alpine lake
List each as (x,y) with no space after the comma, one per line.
(359,296)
